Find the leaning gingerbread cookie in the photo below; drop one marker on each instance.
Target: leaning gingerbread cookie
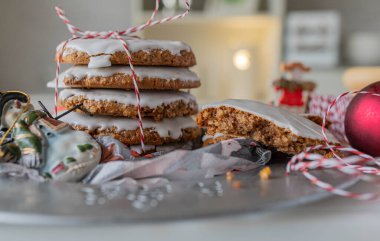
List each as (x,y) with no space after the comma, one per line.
(271,126)
(98,53)
(180,129)
(154,104)
(218,137)
(120,77)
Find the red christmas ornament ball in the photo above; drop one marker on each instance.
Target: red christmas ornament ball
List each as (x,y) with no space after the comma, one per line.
(362,121)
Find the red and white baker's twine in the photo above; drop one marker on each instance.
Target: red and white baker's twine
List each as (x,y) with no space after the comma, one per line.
(78,33)
(357,163)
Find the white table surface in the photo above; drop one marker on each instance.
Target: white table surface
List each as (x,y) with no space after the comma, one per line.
(331,219)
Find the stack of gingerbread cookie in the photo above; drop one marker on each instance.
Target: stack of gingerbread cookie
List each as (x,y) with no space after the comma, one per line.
(101,80)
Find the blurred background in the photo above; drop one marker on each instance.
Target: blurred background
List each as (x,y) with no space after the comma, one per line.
(239,44)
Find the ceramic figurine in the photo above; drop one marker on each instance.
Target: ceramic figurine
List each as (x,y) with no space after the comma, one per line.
(293,89)
(11,104)
(49,145)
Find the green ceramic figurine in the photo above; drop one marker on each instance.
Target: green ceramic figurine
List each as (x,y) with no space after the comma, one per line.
(39,141)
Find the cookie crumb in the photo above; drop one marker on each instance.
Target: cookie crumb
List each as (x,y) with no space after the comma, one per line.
(265,173)
(236,184)
(229,176)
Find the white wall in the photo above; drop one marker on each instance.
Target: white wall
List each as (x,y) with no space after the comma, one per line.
(30,31)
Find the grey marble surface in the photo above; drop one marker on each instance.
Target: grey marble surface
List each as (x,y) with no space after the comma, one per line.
(332,219)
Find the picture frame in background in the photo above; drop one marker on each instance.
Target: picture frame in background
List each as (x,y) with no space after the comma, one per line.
(232,7)
(313,37)
(196,5)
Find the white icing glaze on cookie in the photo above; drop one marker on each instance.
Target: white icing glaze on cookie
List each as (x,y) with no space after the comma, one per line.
(148,98)
(166,128)
(216,135)
(61,85)
(280,117)
(99,61)
(95,47)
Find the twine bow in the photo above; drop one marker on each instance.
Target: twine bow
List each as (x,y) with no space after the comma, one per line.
(357,164)
(77,33)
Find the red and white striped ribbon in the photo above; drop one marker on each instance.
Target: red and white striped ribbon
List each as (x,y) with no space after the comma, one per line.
(78,33)
(318,105)
(356,163)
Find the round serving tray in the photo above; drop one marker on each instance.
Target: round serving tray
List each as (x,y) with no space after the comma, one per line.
(27,202)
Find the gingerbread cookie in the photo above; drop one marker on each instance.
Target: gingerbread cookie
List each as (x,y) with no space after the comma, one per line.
(271,126)
(120,77)
(98,53)
(155,104)
(127,131)
(216,138)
